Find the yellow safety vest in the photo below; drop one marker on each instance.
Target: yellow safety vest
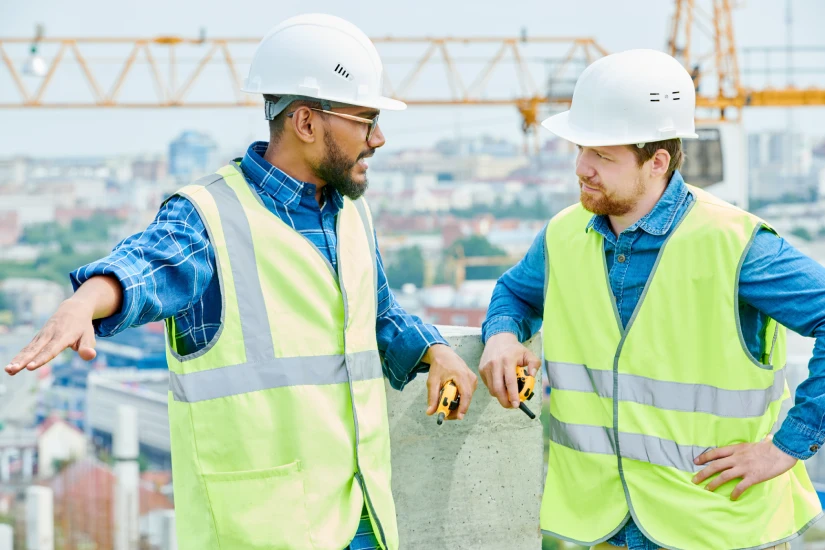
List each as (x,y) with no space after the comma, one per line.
(631,408)
(279,426)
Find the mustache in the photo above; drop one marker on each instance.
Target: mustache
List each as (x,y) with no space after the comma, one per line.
(366,154)
(587,182)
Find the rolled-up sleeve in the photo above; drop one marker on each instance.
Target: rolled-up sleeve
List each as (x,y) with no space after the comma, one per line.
(517,305)
(782,283)
(403,339)
(162,271)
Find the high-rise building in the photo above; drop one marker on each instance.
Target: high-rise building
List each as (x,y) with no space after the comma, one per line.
(191,155)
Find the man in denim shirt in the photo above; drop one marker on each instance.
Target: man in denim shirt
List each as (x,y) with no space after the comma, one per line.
(315,161)
(638,198)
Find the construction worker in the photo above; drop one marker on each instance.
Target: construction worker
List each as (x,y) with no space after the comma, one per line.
(277,307)
(663,310)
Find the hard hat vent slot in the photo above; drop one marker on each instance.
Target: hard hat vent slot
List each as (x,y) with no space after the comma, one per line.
(656,96)
(339,69)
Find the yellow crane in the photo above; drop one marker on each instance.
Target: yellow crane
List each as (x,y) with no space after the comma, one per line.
(218,61)
(721,61)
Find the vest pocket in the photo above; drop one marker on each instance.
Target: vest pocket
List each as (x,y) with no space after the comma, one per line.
(260,508)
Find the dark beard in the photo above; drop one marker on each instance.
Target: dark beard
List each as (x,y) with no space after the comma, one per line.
(336,170)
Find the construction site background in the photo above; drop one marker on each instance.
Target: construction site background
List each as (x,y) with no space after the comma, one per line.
(98,125)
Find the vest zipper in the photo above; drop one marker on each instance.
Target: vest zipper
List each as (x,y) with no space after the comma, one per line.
(358,475)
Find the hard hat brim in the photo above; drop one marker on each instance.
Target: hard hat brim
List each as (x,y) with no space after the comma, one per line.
(560,125)
(381,103)
(389,104)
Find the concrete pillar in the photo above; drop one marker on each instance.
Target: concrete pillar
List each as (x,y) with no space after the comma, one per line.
(6,537)
(39,518)
(14,455)
(476,483)
(28,463)
(168,541)
(127,475)
(5,470)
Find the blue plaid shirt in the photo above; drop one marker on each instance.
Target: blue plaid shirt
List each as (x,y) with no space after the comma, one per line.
(168,270)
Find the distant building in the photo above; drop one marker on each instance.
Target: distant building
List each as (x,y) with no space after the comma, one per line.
(33,300)
(149,168)
(13,170)
(10,228)
(147,391)
(781,166)
(58,441)
(84,495)
(18,447)
(191,155)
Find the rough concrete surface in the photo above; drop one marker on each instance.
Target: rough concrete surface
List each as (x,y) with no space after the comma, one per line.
(471,484)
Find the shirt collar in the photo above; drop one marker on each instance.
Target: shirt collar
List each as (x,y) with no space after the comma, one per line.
(659,220)
(276,183)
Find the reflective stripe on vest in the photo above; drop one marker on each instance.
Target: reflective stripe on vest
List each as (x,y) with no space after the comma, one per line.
(632,407)
(276,373)
(287,401)
(672,396)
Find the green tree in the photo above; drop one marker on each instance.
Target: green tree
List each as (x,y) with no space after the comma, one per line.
(94,230)
(53,266)
(41,233)
(408,267)
(534,210)
(474,246)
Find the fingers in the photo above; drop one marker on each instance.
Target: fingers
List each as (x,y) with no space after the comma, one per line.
(511,382)
(714,468)
(86,345)
(724,477)
(498,388)
(533,363)
(48,352)
(433,389)
(466,386)
(715,454)
(22,359)
(743,486)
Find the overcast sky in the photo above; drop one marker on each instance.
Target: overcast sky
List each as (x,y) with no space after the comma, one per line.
(615,25)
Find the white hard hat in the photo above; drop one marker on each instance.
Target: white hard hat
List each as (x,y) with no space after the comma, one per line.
(322,57)
(633,97)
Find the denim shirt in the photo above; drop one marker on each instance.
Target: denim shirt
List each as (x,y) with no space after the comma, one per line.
(775,280)
(169,269)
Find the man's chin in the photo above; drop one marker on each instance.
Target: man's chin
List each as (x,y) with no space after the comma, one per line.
(590,205)
(356,189)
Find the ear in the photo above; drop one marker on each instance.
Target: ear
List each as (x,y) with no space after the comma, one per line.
(659,164)
(304,124)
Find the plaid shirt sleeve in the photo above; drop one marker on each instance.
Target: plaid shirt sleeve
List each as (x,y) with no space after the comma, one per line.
(403,339)
(163,270)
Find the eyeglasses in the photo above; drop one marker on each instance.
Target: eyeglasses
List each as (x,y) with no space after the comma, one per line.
(373,122)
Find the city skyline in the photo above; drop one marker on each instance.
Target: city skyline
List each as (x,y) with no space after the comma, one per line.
(112,131)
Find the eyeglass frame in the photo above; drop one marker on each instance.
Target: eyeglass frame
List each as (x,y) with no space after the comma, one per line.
(373,122)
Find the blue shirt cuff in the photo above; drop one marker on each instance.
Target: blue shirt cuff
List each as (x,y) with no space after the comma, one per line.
(798,440)
(497,325)
(134,295)
(405,352)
